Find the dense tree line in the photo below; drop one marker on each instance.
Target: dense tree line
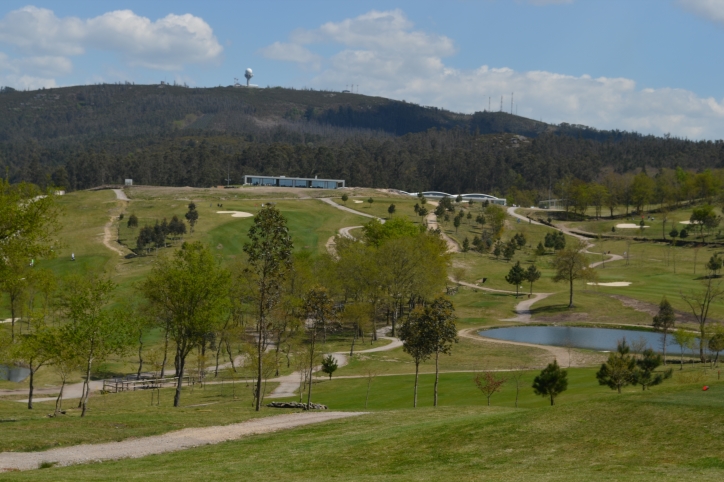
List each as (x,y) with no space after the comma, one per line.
(86,136)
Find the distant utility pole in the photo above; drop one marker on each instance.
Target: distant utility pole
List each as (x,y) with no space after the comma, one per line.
(228,176)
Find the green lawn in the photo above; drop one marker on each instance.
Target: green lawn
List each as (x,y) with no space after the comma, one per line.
(672,432)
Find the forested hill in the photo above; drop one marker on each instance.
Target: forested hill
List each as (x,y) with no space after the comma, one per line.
(79,137)
(89,112)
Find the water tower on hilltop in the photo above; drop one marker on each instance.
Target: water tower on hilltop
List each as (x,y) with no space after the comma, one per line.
(248,74)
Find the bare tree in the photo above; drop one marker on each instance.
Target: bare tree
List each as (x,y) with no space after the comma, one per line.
(570,264)
(700,301)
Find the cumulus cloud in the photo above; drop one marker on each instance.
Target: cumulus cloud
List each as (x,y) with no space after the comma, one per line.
(386,56)
(167,43)
(710,9)
(292,52)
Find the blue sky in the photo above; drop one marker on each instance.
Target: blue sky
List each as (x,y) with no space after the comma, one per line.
(654,66)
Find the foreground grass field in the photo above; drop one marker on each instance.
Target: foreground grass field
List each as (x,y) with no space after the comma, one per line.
(671,432)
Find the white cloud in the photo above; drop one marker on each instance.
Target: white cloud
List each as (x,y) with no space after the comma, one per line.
(710,9)
(291,52)
(383,53)
(44,66)
(167,44)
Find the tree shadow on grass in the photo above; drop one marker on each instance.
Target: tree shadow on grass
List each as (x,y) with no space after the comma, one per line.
(551,310)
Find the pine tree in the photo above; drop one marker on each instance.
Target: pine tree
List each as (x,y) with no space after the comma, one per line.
(516,276)
(551,382)
(532,274)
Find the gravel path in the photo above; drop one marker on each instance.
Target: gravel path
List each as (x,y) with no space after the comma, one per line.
(452,246)
(289,384)
(349,210)
(345,233)
(107,229)
(168,442)
(121,195)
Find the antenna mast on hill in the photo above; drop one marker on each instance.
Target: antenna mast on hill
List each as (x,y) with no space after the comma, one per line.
(501,103)
(488,103)
(511,102)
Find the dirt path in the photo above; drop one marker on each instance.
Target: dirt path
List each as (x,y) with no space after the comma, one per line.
(566,357)
(108,240)
(345,233)
(349,210)
(431,219)
(289,384)
(168,442)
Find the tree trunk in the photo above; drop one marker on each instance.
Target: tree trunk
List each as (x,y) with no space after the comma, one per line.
(231,356)
(351,349)
(140,354)
(165,354)
(218,353)
(179,381)
(417,371)
(570,301)
(84,400)
(437,375)
(701,343)
(664,349)
(311,368)
(59,400)
(553,400)
(30,391)
(260,353)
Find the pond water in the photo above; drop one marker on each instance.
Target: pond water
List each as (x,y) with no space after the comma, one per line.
(13,374)
(602,339)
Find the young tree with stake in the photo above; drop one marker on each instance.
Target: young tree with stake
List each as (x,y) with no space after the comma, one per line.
(489,383)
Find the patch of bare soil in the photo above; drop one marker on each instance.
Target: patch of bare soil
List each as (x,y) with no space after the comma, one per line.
(650,308)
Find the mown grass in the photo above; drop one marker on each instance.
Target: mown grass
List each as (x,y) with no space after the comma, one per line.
(114,417)
(672,432)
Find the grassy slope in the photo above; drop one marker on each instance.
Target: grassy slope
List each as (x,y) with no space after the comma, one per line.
(312,222)
(668,433)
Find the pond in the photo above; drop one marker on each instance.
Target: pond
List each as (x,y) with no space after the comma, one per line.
(602,339)
(13,374)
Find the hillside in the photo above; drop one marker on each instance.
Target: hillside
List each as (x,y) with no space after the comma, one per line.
(84,136)
(86,112)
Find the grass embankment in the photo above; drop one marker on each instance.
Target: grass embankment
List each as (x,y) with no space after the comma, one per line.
(671,432)
(118,416)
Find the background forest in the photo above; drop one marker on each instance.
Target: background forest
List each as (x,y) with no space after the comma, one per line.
(80,137)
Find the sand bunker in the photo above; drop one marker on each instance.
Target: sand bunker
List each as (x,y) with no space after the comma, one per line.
(629,226)
(689,222)
(358,202)
(612,283)
(236,214)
